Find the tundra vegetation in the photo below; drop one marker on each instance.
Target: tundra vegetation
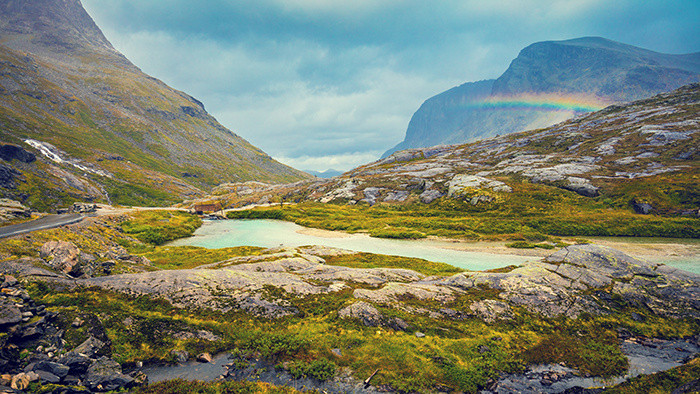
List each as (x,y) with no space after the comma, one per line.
(463,354)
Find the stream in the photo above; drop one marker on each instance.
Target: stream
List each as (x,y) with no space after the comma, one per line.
(645,357)
(268,233)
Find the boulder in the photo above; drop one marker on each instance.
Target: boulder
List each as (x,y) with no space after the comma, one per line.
(20,381)
(81,207)
(11,209)
(462,182)
(91,347)
(180,356)
(105,374)
(62,256)
(362,311)
(492,310)
(48,377)
(9,313)
(641,208)
(581,186)
(77,363)
(429,196)
(204,358)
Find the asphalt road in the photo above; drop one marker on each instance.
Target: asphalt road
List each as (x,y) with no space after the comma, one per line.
(43,223)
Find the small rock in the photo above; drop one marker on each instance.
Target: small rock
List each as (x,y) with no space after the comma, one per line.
(484,349)
(10,281)
(641,208)
(363,311)
(204,358)
(337,352)
(77,322)
(106,374)
(48,377)
(57,369)
(20,381)
(5,379)
(419,334)
(181,356)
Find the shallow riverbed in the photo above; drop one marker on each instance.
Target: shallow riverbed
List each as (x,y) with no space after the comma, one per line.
(680,253)
(273,233)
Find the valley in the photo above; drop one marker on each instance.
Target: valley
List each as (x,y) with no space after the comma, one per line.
(538,232)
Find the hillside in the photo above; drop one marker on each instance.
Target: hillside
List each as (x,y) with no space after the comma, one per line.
(625,170)
(101,129)
(547,83)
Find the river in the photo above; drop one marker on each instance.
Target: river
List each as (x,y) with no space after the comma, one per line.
(273,233)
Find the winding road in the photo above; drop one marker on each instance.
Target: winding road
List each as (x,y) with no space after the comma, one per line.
(43,223)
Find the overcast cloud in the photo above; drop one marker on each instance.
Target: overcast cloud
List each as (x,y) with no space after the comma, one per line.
(323,84)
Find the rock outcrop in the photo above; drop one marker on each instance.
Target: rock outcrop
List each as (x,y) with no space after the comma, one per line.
(575,280)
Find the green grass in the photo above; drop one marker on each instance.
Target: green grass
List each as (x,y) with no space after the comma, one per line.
(185,257)
(370,260)
(159,227)
(534,218)
(180,386)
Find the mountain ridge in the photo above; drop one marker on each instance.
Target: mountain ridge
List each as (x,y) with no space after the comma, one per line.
(84,98)
(609,71)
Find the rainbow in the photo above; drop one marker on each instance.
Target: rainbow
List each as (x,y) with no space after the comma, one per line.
(547,102)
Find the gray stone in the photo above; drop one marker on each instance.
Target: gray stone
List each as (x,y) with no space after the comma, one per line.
(419,334)
(48,377)
(91,347)
(204,358)
(9,313)
(105,374)
(63,256)
(180,356)
(429,196)
(362,311)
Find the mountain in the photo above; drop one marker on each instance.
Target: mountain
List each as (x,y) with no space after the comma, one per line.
(547,83)
(639,157)
(330,173)
(99,127)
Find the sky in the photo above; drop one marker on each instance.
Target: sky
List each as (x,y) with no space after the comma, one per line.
(321,84)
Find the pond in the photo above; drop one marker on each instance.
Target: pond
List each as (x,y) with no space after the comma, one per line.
(273,233)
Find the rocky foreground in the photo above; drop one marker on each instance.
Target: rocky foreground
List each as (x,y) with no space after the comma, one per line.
(576,280)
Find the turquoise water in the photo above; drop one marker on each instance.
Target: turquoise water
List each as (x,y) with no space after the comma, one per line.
(273,233)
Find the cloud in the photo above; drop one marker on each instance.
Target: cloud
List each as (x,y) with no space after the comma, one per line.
(337,80)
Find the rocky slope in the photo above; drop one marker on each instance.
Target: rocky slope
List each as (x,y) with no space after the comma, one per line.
(590,69)
(99,128)
(641,156)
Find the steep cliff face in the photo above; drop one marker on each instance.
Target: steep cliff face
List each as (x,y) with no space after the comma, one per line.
(85,110)
(596,66)
(550,76)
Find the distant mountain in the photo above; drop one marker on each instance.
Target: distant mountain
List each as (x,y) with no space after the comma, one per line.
(547,83)
(99,127)
(330,173)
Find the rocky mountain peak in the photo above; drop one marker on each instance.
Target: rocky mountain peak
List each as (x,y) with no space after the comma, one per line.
(58,26)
